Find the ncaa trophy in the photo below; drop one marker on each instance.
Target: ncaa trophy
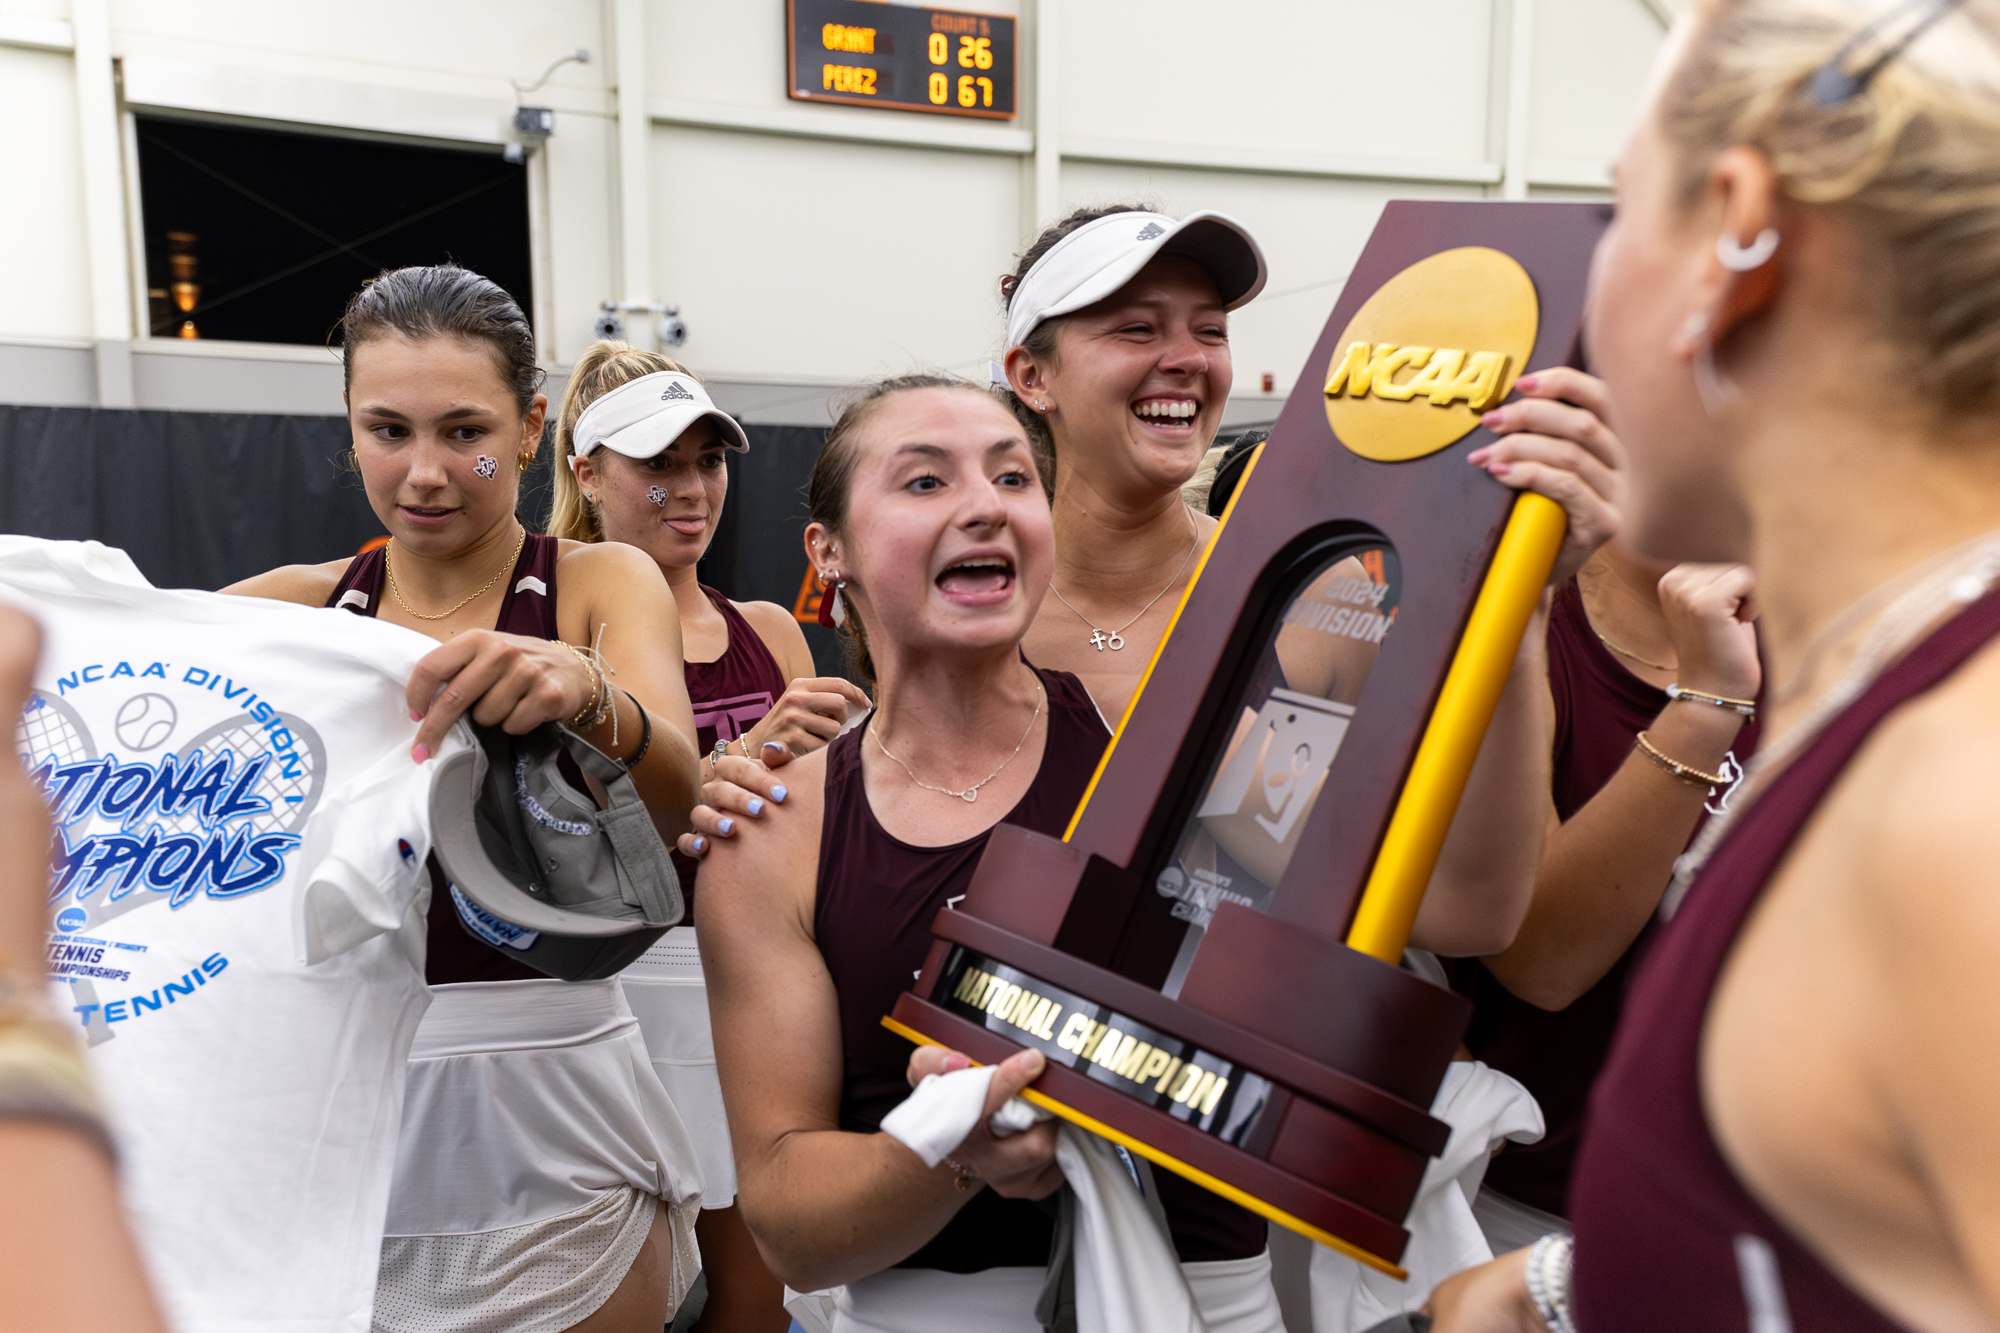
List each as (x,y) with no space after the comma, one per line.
(1208,958)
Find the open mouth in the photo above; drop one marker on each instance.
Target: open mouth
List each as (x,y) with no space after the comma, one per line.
(977,578)
(1168,413)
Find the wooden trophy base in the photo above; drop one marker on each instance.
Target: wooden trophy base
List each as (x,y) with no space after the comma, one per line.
(1291,1076)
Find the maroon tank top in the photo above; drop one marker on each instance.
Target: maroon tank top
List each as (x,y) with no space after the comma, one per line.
(527,608)
(1600,708)
(1658,1211)
(877,898)
(730,695)
(733,693)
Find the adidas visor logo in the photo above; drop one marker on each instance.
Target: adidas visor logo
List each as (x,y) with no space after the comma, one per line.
(676,390)
(1149,231)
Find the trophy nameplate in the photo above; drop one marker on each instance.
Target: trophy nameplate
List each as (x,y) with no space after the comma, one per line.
(1208,958)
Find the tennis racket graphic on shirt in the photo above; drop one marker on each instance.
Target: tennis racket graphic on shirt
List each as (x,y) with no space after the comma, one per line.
(50,729)
(292,774)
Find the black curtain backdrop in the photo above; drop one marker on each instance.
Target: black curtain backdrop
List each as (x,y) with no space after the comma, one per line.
(203,499)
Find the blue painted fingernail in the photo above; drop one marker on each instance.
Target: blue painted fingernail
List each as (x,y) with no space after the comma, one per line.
(772,745)
(756,807)
(701,844)
(778,795)
(725,827)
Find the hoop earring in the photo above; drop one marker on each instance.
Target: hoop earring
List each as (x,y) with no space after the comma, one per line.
(832,614)
(525,460)
(1710,384)
(1740,258)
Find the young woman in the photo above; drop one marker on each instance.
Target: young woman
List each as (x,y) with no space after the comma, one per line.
(1798,311)
(640,461)
(929,522)
(537,1144)
(1621,633)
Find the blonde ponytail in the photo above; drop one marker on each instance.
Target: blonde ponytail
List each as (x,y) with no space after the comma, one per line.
(603,367)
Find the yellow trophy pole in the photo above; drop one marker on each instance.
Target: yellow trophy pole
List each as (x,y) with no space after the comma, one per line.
(1451,741)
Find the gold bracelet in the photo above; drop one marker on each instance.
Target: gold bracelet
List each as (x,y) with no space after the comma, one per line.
(1686,774)
(1740,707)
(592,712)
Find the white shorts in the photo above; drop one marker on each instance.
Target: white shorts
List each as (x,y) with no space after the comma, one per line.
(536,1146)
(1234,1295)
(666,992)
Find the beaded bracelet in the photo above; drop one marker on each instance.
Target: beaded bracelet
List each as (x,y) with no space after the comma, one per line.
(1740,707)
(1686,774)
(1551,1266)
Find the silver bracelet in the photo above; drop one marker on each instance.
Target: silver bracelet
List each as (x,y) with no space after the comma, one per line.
(1551,1263)
(1740,707)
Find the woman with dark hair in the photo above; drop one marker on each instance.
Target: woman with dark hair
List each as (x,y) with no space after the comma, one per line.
(1797,309)
(640,460)
(537,1144)
(929,525)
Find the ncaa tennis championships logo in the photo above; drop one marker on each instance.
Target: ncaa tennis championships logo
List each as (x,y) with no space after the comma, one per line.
(214,816)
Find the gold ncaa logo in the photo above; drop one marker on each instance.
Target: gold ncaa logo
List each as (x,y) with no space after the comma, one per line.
(1475,312)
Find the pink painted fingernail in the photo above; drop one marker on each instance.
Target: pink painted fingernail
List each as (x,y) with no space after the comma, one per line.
(1493,420)
(1478,456)
(415,716)
(1498,470)
(1526,384)
(420,753)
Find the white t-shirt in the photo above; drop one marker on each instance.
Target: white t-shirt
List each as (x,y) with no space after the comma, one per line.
(238,920)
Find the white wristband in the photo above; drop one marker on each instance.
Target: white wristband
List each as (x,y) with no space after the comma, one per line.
(1551,1262)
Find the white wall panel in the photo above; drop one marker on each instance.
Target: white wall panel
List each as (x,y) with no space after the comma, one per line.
(1592,60)
(47,290)
(581,225)
(1405,80)
(795,258)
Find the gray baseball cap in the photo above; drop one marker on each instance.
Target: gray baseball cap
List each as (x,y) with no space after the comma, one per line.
(536,869)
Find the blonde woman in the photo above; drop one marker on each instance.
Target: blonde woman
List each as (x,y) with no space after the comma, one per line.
(1798,313)
(641,461)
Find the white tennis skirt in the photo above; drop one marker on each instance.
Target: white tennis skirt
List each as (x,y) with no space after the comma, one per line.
(667,994)
(1234,1295)
(536,1146)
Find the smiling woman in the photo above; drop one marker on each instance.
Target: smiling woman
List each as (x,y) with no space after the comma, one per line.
(497,1230)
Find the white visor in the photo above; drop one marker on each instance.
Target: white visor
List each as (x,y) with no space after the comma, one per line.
(643,417)
(1099,257)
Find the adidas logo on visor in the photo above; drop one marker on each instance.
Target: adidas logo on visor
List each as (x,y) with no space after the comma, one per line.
(1149,231)
(676,390)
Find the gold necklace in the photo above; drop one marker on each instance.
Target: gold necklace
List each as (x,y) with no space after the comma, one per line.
(1625,653)
(1100,638)
(1628,653)
(970,794)
(396,592)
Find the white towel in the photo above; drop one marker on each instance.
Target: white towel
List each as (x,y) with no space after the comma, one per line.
(1484,1108)
(1128,1279)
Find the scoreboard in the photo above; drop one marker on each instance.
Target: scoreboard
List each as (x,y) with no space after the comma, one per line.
(946,61)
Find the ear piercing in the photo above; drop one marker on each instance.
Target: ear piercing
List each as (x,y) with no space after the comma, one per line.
(1740,258)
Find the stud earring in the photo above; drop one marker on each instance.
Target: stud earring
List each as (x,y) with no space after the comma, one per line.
(1740,258)
(832,614)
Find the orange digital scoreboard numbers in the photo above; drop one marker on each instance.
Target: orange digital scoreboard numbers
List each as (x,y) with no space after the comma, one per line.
(906,57)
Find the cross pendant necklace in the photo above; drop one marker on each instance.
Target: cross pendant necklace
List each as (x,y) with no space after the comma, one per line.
(1114,639)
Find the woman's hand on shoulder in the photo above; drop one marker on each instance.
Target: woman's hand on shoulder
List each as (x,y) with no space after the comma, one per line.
(305,585)
(735,789)
(1016,1166)
(510,681)
(1553,441)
